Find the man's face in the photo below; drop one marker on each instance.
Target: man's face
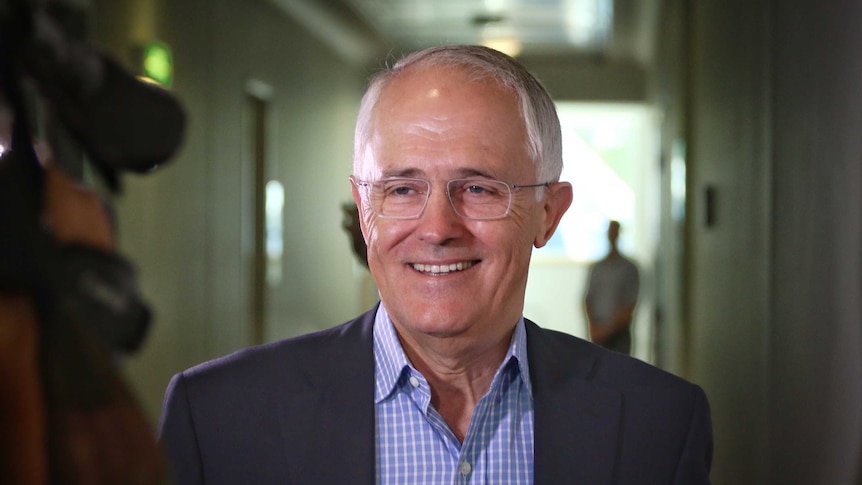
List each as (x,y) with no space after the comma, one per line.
(438,125)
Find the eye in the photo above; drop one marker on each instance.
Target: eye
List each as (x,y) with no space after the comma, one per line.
(403,188)
(481,188)
(476,189)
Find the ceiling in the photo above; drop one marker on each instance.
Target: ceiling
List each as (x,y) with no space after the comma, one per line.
(539,26)
(362,30)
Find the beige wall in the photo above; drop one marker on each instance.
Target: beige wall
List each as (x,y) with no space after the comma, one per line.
(187,226)
(775,285)
(667,93)
(816,348)
(729,262)
(586,78)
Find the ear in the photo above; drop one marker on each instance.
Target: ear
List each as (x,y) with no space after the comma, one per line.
(556,202)
(357,199)
(354,190)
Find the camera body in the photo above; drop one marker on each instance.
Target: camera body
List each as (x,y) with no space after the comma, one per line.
(120,123)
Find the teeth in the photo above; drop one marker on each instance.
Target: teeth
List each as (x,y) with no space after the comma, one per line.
(442,268)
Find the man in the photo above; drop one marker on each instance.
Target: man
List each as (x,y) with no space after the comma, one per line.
(612,294)
(456,163)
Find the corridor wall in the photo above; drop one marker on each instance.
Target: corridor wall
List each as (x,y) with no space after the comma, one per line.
(187,225)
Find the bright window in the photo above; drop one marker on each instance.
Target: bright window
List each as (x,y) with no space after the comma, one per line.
(605,155)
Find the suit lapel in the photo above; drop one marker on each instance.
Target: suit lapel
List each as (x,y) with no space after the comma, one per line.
(328,425)
(577,423)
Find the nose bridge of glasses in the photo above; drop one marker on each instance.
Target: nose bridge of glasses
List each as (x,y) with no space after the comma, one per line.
(448,202)
(442,190)
(455,199)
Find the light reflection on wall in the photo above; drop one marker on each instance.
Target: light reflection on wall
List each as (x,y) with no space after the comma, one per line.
(274,230)
(677,180)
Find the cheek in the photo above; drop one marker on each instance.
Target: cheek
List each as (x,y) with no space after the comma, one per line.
(369,224)
(369,231)
(382,235)
(509,245)
(372,245)
(524,226)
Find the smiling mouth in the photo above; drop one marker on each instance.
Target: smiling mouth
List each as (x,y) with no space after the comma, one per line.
(440,269)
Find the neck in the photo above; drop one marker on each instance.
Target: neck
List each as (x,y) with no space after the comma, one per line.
(456,363)
(458,374)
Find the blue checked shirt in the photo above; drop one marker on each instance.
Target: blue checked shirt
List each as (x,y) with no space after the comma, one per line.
(414,445)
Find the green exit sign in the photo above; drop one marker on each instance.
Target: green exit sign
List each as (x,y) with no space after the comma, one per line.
(158,64)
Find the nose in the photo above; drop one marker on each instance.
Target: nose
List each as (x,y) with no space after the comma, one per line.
(439,222)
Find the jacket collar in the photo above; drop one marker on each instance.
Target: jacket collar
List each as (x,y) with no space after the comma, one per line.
(577,422)
(332,439)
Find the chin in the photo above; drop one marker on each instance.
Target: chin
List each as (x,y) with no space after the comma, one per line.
(434,321)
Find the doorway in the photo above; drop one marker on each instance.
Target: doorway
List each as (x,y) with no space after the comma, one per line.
(611,159)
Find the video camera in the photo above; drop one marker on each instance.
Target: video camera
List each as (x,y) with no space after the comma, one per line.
(119,122)
(86,299)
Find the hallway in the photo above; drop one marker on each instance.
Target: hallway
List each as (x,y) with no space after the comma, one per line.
(757,281)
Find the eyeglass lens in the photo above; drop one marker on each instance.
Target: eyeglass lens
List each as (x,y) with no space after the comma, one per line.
(405,198)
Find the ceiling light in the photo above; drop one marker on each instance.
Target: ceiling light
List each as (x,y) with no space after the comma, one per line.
(507,45)
(588,22)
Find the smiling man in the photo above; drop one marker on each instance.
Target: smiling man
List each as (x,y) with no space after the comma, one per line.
(456,171)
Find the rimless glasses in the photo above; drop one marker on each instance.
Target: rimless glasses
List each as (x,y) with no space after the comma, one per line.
(471,198)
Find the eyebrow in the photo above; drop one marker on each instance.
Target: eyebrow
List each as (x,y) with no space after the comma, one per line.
(472,172)
(406,172)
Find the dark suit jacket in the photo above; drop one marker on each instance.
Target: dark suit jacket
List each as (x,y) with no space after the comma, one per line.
(301,411)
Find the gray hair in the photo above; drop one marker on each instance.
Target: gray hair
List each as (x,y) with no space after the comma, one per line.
(539,114)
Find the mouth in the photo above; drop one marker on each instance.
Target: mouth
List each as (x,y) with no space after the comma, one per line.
(441,269)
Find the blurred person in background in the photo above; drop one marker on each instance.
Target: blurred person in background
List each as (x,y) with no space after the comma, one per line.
(611,297)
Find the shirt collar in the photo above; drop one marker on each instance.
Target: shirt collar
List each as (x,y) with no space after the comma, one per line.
(391,361)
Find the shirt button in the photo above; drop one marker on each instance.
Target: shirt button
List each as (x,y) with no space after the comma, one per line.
(465,468)
(414,381)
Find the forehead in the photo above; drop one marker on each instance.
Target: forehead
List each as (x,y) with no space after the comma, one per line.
(445,91)
(431,117)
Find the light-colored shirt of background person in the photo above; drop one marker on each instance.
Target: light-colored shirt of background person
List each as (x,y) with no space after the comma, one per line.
(611,297)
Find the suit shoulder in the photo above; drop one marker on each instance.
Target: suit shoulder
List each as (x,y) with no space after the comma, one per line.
(259,362)
(606,367)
